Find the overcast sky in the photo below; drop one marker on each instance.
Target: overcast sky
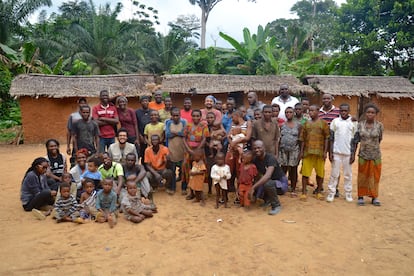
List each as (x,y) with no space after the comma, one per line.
(229,16)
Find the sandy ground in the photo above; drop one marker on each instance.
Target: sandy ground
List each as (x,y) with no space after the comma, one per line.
(312,238)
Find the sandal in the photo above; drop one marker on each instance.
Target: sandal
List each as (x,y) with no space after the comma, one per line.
(303,197)
(376,202)
(319,196)
(361,201)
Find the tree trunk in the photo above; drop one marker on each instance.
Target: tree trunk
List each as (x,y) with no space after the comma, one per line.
(203,29)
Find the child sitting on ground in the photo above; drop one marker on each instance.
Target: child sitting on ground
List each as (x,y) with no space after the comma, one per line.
(88,200)
(133,207)
(197,175)
(220,173)
(217,134)
(106,203)
(248,172)
(66,205)
(235,134)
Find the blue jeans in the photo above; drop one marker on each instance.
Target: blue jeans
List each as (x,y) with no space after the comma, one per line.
(104,143)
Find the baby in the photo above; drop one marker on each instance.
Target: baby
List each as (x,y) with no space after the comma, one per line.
(217,134)
(134,207)
(235,134)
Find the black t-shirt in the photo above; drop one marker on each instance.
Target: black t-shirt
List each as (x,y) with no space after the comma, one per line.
(268,161)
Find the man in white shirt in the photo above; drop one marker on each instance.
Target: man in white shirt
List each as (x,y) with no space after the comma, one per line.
(284,100)
(342,131)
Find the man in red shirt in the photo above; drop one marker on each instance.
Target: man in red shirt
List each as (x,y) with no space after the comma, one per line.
(106,116)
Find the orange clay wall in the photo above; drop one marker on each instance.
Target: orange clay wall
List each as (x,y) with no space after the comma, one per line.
(396,115)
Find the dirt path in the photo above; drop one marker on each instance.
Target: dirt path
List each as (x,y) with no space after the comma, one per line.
(305,238)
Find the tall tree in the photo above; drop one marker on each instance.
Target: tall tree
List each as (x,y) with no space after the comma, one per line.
(13,13)
(206,7)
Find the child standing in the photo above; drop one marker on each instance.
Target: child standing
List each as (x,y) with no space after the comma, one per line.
(197,175)
(314,148)
(134,209)
(248,173)
(106,203)
(66,205)
(88,200)
(220,173)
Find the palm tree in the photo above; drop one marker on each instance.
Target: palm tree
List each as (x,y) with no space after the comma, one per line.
(15,12)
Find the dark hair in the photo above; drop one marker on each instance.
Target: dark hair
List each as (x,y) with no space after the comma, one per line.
(64,185)
(35,163)
(371,105)
(220,155)
(298,104)
(231,99)
(122,129)
(266,107)
(131,154)
(344,104)
(289,107)
(103,91)
(96,161)
(276,105)
(89,180)
(143,98)
(174,109)
(304,99)
(194,111)
(257,110)
(47,145)
(212,113)
(187,99)
(82,99)
(85,106)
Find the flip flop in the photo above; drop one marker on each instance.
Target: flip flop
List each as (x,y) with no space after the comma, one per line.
(376,202)
(361,202)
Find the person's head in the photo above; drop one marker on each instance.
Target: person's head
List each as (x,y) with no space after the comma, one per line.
(155,140)
(107,184)
(289,113)
(305,104)
(196,116)
(81,156)
(93,164)
(236,116)
(224,108)
(344,109)
(371,111)
(258,148)
(144,100)
(187,104)
(89,185)
(243,111)
(209,102)
(327,100)
(267,112)
(210,118)
(158,96)
(107,160)
(122,102)
(131,159)
(220,158)
(252,98)
(168,103)
(104,97)
(52,147)
(65,190)
(198,154)
(313,112)
(85,112)
(284,91)
(154,116)
(257,114)
(235,130)
(82,101)
(175,115)
(247,157)
(122,136)
(131,187)
(298,110)
(39,166)
(219,104)
(66,178)
(275,110)
(231,104)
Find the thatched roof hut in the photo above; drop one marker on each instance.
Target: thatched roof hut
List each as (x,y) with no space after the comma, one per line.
(56,86)
(393,95)
(383,87)
(211,84)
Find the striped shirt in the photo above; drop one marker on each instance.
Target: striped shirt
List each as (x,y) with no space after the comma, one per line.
(65,206)
(329,115)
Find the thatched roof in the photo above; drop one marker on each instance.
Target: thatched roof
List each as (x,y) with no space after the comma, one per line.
(55,86)
(210,84)
(385,87)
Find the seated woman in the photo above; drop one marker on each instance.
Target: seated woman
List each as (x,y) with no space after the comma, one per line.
(57,164)
(35,193)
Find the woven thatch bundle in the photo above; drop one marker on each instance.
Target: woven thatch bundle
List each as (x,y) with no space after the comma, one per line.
(210,84)
(385,87)
(54,86)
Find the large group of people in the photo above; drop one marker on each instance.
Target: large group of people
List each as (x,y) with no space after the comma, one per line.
(120,157)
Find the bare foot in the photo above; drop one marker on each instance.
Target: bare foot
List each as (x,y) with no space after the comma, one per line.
(111,221)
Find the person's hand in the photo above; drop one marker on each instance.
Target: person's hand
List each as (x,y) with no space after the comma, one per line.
(325,154)
(352,159)
(157,177)
(53,193)
(68,150)
(331,157)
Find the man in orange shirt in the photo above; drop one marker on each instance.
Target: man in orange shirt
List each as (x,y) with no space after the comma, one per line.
(156,159)
(157,104)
